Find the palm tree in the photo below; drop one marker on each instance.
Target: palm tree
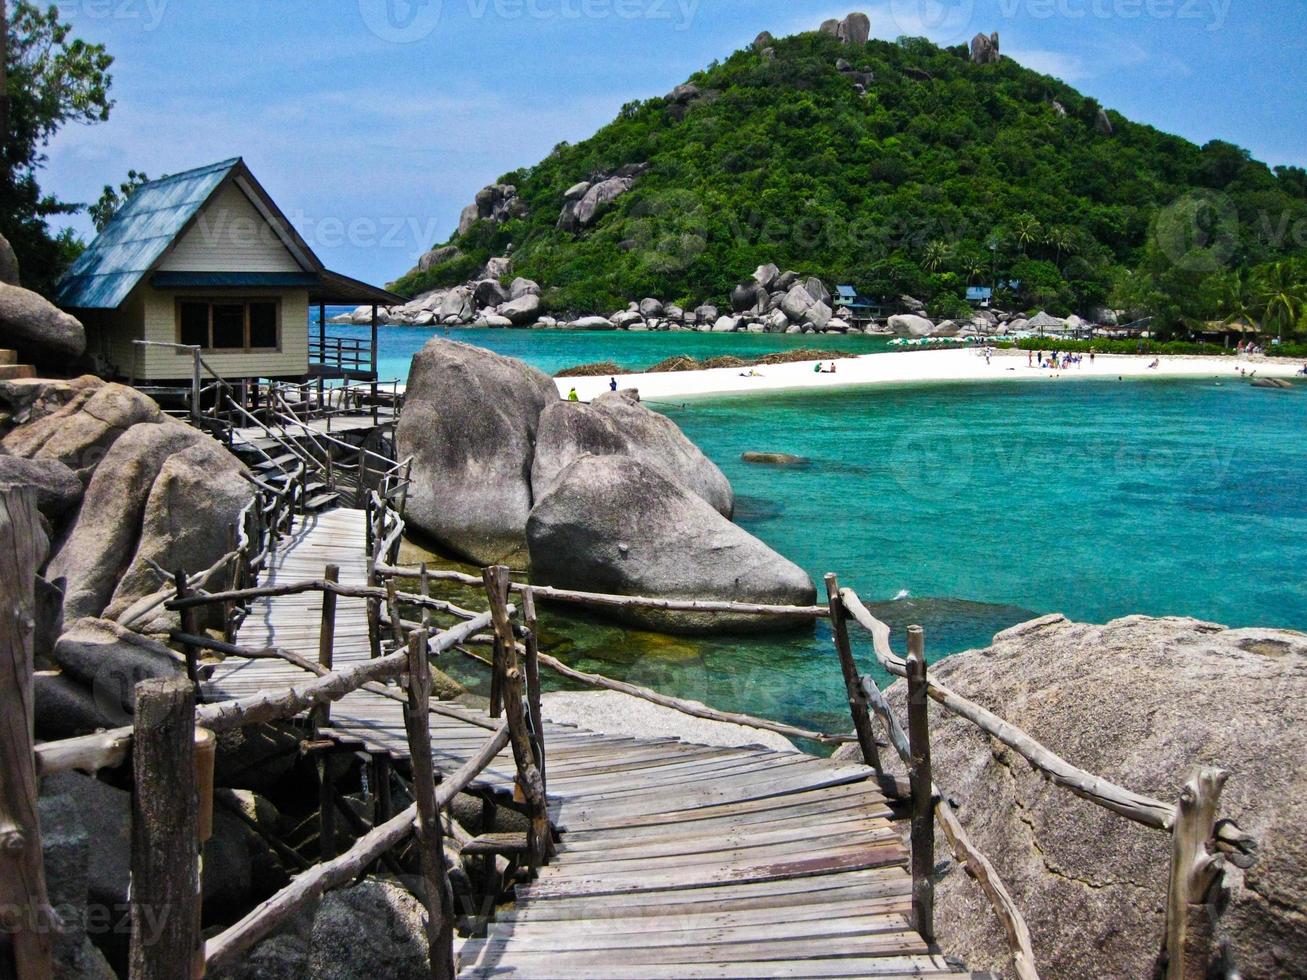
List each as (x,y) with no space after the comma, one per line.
(1282,296)
(1062,240)
(935,256)
(1026,231)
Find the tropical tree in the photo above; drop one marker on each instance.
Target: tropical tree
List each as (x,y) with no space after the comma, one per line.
(111,199)
(935,255)
(1026,231)
(52,79)
(1282,295)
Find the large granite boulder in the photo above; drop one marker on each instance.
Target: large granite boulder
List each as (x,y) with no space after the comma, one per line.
(582,213)
(523,310)
(617,424)
(372,929)
(984,49)
(8,263)
(58,490)
(75,422)
(1142,702)
(618,525)
(854,29)
(37,328)
(469,422)
(437,256)
(911,325)
(189,522)
(100,546)
(108,660)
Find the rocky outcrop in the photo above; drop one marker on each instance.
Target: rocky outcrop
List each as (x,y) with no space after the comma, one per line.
(763,40)
(1141,702)
(855,29)
(437,256)
(617,424)
(1102,124)
(911,325)
(523,310)
(372,929)
(497,203)
(615,524)
(984,49)
(577,215)
(8,263)
(38,329)
(58,490)
(108,660)
(470,419)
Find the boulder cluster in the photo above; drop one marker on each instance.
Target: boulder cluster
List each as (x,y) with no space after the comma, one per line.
(586,200)
(124,491)
(496,203)
(608,496)
(855,29)
(984,49)
(480,302)
(32,326)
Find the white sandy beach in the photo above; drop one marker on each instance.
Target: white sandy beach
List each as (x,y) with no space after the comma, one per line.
(926,366)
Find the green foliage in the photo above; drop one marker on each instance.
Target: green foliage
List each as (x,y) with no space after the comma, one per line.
(1103,346)
(53,79)
(111,199)
(901,190)
(1295,351)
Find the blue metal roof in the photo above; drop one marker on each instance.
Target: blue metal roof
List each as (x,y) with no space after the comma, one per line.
(137,236)
(231,280)
(846,291)
(979,293)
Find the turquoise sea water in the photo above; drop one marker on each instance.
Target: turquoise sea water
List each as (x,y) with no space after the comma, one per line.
(968,508)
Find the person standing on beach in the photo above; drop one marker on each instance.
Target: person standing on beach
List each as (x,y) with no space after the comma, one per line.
(572,396)
(612,384)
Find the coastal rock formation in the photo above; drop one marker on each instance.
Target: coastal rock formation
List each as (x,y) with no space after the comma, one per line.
(911,325)
(615,524)
(579,214)
(58,490)
(470,421)
(984,49)
(1142,702)
(617,424)
(496,203)
(523,310)
(37,328)
(437,256)
(8,263)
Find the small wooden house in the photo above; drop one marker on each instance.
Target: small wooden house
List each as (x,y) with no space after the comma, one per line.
(204,259)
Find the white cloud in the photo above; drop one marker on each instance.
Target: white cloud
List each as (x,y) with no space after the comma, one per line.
(1067,67)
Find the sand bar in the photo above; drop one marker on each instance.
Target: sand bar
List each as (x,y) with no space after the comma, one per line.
(909,367)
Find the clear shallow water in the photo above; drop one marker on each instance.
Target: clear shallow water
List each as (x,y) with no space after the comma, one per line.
(978,505)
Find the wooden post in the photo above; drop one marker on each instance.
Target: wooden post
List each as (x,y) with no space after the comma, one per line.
(923,809)
(852,680)
(439,894)
(529,780)
(326,807)
(533,681)
(22,875)
(373,370)
(327,639)
(165,893)
(385,808)
(195,385)
(190,622)
(1196,867)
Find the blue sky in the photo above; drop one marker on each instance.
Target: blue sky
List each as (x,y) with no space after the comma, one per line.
(372,122)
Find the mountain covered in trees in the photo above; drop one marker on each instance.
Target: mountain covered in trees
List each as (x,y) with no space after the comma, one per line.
(898,167)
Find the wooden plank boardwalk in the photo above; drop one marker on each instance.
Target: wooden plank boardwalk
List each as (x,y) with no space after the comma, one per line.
(676,860)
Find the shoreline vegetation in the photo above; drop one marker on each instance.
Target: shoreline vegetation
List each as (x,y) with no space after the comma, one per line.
(683,362)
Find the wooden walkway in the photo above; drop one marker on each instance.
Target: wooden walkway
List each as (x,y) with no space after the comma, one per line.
(676,860)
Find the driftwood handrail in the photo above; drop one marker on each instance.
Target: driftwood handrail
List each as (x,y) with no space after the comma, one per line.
(222,950)
(1200,842)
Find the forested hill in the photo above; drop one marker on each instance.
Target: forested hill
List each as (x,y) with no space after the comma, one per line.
(899,167)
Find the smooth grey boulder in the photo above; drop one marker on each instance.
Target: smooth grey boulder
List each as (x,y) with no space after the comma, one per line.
(457,303)
(797,302)
(469,421)
(765,275)
(683,94)
(102,542)
(576,191)
(617,424)
(615,524)
(591,323)
(911,325)
(280,957)
(488,292)
(437,256)
(525,309)
(582,213)
(1141,702)
(8,263)
(188,523)
(748,297)
(58,490)
(651,307)
(763,40)
(372,929)
(64,708)
(37,328)
(77,422)
(523,287)
(984,49)
(855,29)
(498,267)
(109,660)
(707,313)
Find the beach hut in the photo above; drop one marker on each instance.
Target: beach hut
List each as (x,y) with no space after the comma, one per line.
(1229,333)
(1043,323)
(203,268)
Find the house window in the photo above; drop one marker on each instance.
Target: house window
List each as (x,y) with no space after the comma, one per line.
(228,325)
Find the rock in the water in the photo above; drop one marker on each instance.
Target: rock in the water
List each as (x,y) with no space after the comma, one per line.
(58,490)
(1272,383)
(1141,702)
(726,324)
(525,309)
(775,459)
(8,263)
(614,524)
(37,328)
(373,929)
(911,325)
(469,421)
(591,323)
(984,49)
(650,307)
(614,424)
